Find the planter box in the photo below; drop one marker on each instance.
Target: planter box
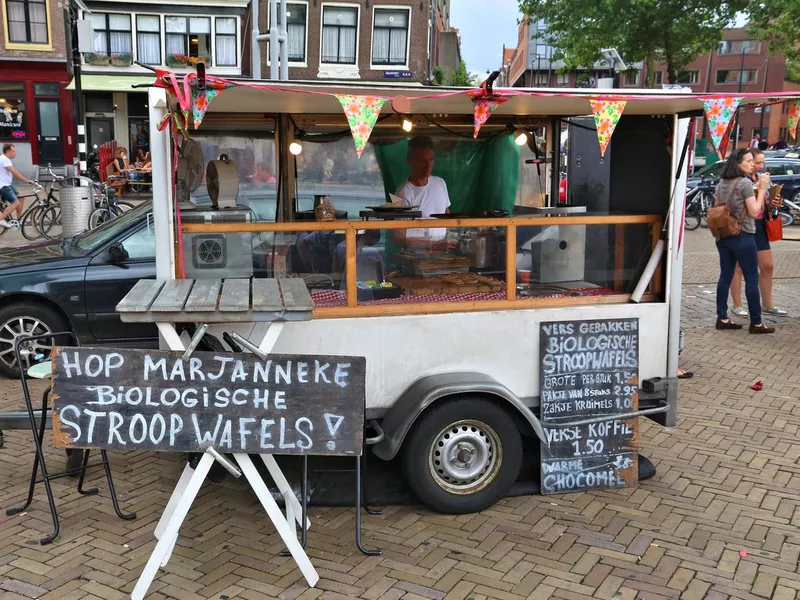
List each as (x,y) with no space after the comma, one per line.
(96,59)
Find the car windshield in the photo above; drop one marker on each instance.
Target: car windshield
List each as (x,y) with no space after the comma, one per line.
(710,170)
(89,241)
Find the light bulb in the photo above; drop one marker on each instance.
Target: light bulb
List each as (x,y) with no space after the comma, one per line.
(520,137)
(407,125)
(296,147)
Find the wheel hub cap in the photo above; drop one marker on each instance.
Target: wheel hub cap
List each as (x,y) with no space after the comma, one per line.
(465,457)
(19,327)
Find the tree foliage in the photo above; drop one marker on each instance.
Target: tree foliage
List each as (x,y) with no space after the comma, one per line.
(461,77)
(674,32)
(777,22)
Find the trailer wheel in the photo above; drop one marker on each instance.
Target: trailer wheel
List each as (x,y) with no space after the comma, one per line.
(462,455)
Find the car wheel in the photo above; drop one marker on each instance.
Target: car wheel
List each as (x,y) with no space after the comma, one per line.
(23,320)
(462,455)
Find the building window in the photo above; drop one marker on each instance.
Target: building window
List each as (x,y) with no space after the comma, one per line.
(99,102)
(782,134)
(148,39)
(541,79)
(46,89)
(562,79)
(296,30)
(112,33)
(390,37)
(27,21)
(339,33)
(739,47)
(631,78)
(732,76)
(658,77)
(764,135)
(12,112)
(188,37)
(689,77)
(542,50)
(225,41)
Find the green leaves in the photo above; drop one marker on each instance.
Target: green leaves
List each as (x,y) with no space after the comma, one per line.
(672,31)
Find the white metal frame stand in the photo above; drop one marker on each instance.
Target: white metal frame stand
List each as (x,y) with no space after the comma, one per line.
(192,479)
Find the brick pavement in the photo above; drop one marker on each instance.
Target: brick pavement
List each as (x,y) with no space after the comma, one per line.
(719,520)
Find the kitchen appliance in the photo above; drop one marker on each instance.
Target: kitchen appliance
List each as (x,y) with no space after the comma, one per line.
(486,247)
(222,182)
(218,255)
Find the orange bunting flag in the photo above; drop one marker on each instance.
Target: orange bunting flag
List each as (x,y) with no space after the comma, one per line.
(606,116)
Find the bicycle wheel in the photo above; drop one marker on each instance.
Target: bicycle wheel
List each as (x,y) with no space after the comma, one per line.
(707,200)
(100,216)
(50,223)
(691,220)
(29,224)
(124,206)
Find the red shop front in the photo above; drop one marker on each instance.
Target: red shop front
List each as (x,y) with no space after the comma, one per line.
(36,114)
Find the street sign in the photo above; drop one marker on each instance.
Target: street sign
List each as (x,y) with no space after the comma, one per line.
(397,74)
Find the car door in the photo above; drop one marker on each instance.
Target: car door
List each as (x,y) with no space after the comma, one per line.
(108,281)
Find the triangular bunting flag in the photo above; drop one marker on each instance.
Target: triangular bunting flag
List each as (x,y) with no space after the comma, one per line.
(362,113)
(794,118)
(484,107)
(202,98)
(719,113)
(606,116)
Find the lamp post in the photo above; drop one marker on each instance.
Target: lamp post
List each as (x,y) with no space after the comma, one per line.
(72,8)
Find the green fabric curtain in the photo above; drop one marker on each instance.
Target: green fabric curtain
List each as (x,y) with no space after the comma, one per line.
(480,175)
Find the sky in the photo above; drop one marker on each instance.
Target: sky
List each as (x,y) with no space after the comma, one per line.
(485,26)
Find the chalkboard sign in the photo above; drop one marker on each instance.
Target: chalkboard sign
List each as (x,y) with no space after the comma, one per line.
(589,369)
(155,400)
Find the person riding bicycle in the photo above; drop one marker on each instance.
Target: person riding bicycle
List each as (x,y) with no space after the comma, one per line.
(9,196)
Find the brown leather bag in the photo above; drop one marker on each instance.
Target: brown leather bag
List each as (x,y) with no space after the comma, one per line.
(720,221)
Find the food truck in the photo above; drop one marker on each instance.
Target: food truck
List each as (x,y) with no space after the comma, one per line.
(477,310)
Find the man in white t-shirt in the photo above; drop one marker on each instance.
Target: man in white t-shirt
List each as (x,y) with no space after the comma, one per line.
(425,191)
(8,193)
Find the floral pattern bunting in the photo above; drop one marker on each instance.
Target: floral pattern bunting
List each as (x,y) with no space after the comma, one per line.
(794,118)
(362,113)
(202,98)
(719,113)
(484,107)
(606,116)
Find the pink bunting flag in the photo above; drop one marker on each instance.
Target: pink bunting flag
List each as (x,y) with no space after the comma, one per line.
(606,116)
(484,107)
(362,113)
(719,113)
(794,118)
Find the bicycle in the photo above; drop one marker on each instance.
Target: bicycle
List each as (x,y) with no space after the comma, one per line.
(109,207)
(698,201)
(28,222)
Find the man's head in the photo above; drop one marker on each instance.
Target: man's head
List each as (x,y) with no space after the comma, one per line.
(9,150)
(757,136)
(421,155)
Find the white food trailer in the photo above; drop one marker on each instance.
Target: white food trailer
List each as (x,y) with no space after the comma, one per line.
(453,374)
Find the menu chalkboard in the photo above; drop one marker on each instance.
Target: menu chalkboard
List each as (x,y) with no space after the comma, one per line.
(589,369)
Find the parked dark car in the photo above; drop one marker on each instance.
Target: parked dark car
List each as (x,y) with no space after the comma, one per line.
(785,171)
(75,284)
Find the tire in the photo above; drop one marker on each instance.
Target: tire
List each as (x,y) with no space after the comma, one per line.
(50,223)
(30,224)
(787,220)
(124,207)
(486,436)
(21,319)
(691,220)
(100,216)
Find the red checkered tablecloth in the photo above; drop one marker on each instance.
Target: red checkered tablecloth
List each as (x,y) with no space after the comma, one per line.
(334,298)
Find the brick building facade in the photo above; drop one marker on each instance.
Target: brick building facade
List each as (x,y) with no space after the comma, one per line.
(36,110)
(366,40)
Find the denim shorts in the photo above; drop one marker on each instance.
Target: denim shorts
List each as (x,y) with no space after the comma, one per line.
(762,241)
(9,194)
